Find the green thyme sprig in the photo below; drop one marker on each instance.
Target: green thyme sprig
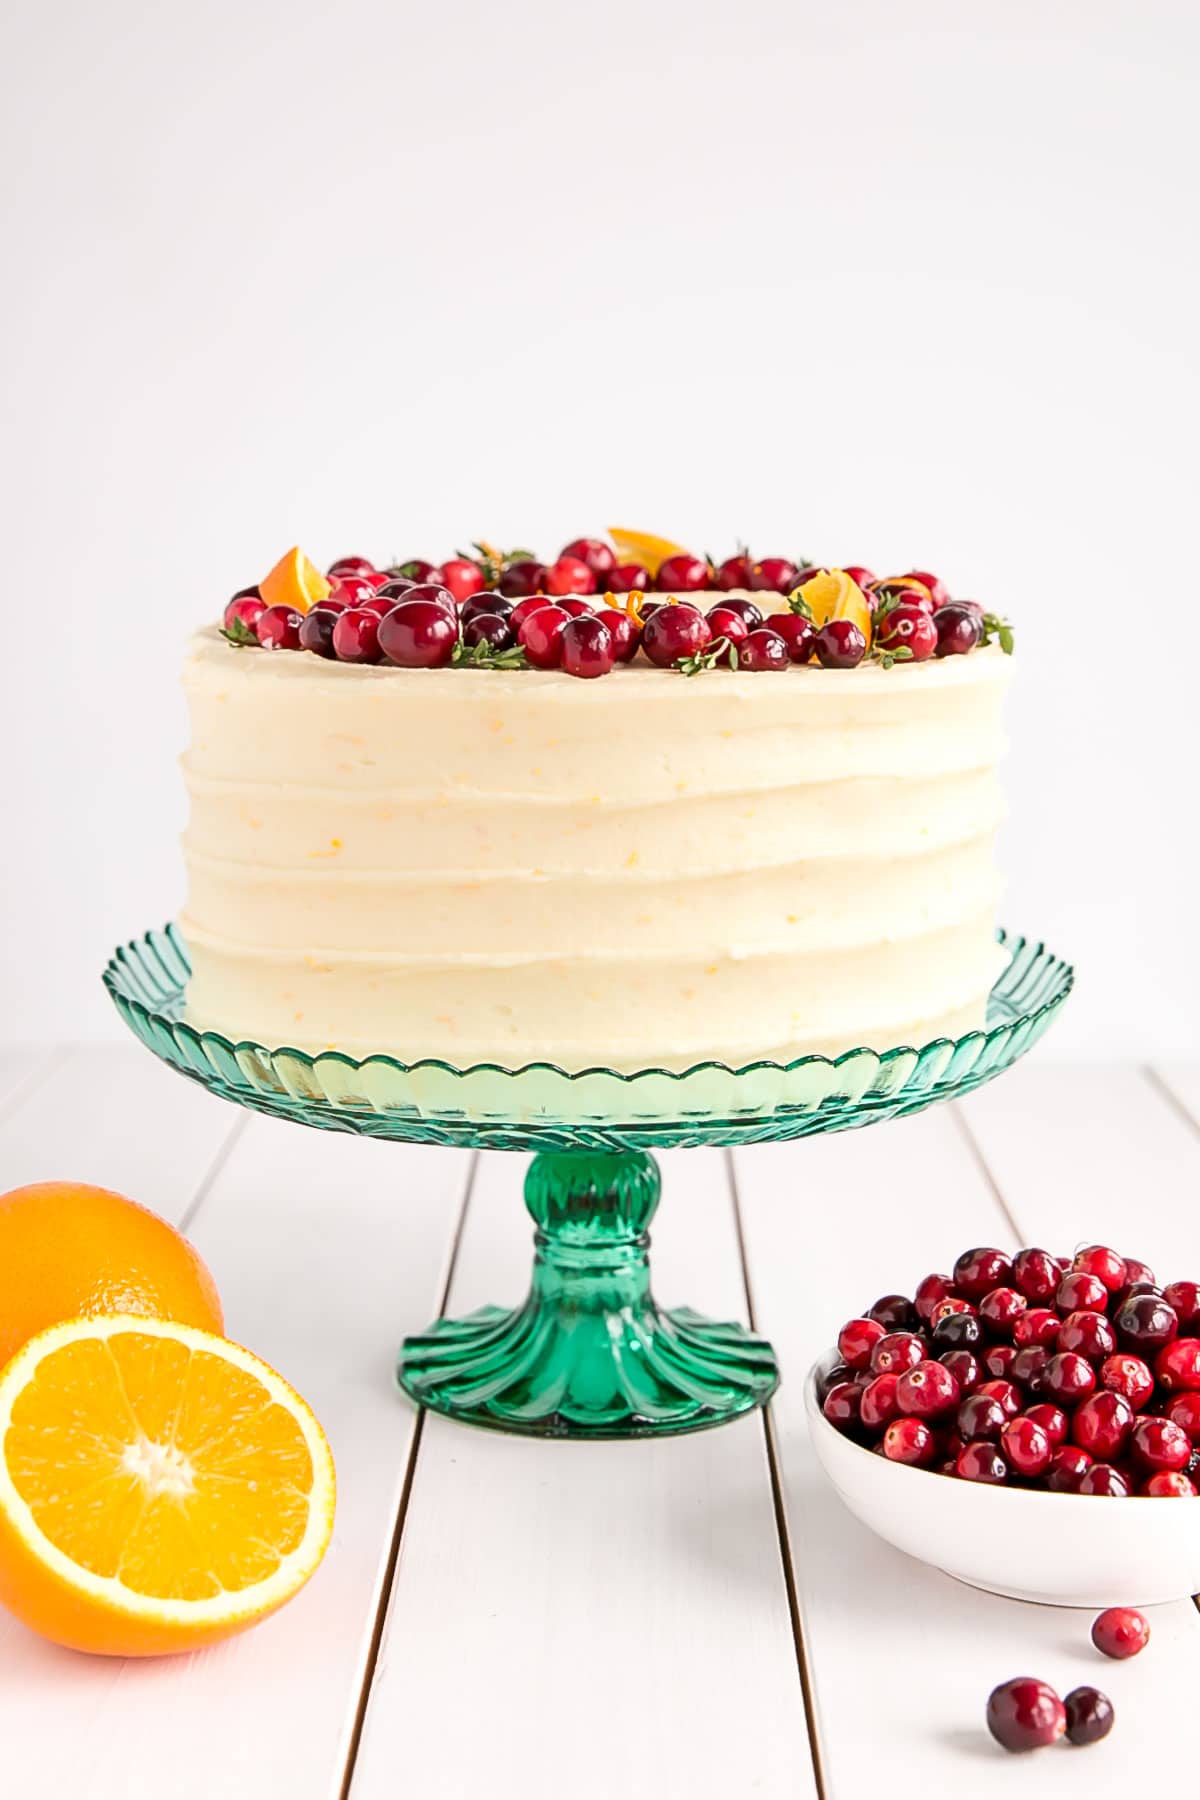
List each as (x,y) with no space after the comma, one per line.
(999,629)
(799,605)
(238,634)
(885,658)
(484,656)
(709,657)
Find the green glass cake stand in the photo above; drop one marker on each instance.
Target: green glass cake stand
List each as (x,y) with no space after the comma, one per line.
(589,1354)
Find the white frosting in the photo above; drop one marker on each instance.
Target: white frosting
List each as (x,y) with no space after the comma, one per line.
(644,869)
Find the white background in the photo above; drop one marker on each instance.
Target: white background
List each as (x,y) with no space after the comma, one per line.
(894,284)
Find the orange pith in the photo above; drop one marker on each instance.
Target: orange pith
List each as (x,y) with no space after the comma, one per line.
(294,582)
(159,1487)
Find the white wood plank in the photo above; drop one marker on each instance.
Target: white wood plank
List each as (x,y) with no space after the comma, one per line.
(902,1657)
(603,1619)
(21,1070)
(326,1250)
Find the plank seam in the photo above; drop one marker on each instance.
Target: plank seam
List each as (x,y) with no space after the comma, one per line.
(975,1151)
(1165,1091)
(208,1180)
(779,1507)
(29,1084)
(393,1557)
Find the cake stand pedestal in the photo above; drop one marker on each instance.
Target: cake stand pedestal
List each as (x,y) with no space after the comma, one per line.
(589,1354)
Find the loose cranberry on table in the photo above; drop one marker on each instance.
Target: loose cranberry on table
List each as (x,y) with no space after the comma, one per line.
(394,588)
(798,633)
(586,649)
(895,1351)
(909,1440)
(600,557)
(762,651)
(1129,1375)
(524,609)
(540,634)
(1089,1333)
(734,572)
(674,632)
(958,629)
(1120,1632)
(1089,1715)
(861,577)
(1036,1274)
(981,1461)
(489,629)
(626,633)
(356,635)
(433,593)
(927,1391)
(840,645)
(1144,1322)
(628,577)
(978,1271)
(907,627)
(278,628)
(350,565)
(569,576)
(352,590)
(522,578)
(417,634)
(723,622)
(774,574)
(577,608)
(1025,1714)
(937,590)
(461,577)
(683,575)
(316,633)
(415,569)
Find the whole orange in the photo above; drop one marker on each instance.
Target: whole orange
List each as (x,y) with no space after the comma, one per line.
(70,1251)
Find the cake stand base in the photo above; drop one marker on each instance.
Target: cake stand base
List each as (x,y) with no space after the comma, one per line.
(589,1354)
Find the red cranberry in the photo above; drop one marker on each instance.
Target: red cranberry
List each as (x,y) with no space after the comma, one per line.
(1184,1410)
(895,1312)
(895,1351)
(356,635)
(964,1367)
(927,1391)
(382,603)
(540,634)
(586,649)
(879,1404)
(278,628)
(599,556)
(840,645)
(761,651)
(244,610)
(978,1271)
(1079,1292)
(980,1416)
(569,576)
(958,630)
(833,1377)
(774,574)
(380,578)
(1169,1484)
(957,1331)
(1001,1309)
(998,1360)
(939,593)
(461,578)
(1120,1632)
(1104,1482)
(628,578)
(352,590)
(842,1405)
(625,633)
(487,628)
(952,1304)
(1036,1325)
(1102,1425)
(1005,1393)
(1089,1715)
(1160,1444)
(909,1441)
(861,577)
(798,634)
(1089,1333)
(520,579)
(734,572)
(524,609)
(981,1461)
(316,631)
(396,586)
(1027,1447)
(417,634)
(1053,1421)
(1036,1274)
(1128,1375)
(1177,1365)
(1024,1714)
(907,627)
(1104,1264)
(674,632)
(856,1341)
(682,575)
(1144,1322)
(432,593)
(350,565)
(723,622)
(1183,1297)
(1136,1271)
(415,569)
(1068,1378)
(929,1292)
(744,608)
(577,608)
(1028,1367)
(1067,1468)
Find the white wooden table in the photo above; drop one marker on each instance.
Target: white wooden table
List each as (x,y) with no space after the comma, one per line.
(601,1622)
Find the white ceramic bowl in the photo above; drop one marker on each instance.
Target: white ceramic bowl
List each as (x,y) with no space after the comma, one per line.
(1061,1549)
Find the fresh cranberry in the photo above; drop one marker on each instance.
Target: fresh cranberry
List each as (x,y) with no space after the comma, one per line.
(461,577)
(937,590)
(1069,1378)
(1067,1468)
(1169,1484)
(859,576)
(833,1377)
(1036,1274)
(278,628)
(773,575)
(964,1366)
(840,645)
(569,576)
(980,1416)
(958,628)
(487,603)
(350,565)
(1028,1367)
(522,578)
(1183,1297)
(1120,1632)
(723,622)
(1024,1714)
(1089,1715)
(1139,1272)
(1177,1365)
(1036,1325)
(981,1461)
(577,608)
(1053,1421)
(761,651)
(489,629)
(907,627)
(932,1289)
(1102,1425)
(625,633)
(356,635)
(379,578)
(927,1391)
(1144,1322)
(352,590)
(316,631)
(381,604)
(909,1441)
(734,572)
(797,633)
(895,591)
(540,635)
(1104,1264)
(895,1312)
(879,1405)
(1001,1310)
(1127,1375)
(945,1309)
(599,556)
(895,1351)
(1003,1391)
(1080,1292)
(1027,1447)
(682,574)
(415,569)
(957,1331)
(1104,1482)
(628,578)
(524,609)
(842,1405)
(394,588)
(674,632)
(998,1360)
(1160,1444)
(416,634)
(978,1271)
(243,610)
(432,593)
(1184,1410)
(1090,1333)
(746,610)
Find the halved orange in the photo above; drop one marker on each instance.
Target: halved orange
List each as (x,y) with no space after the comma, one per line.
(835,595)
(294,581)
(160,1487)
(642,547)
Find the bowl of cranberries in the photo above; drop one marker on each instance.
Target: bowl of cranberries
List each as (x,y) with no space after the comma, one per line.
(973,1424)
